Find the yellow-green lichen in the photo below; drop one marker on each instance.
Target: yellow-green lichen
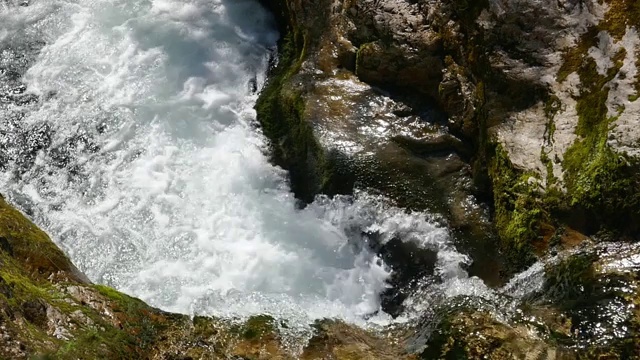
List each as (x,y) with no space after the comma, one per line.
(26,242)
(521,215)
(621,16)
(599,180)
(258,326)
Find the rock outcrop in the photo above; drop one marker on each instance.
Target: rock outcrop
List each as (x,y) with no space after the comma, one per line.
(527,105)
(517,116)
(587,308)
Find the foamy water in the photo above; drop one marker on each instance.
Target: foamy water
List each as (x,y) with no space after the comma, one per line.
(155,179)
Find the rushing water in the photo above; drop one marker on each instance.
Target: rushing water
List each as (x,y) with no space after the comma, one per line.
(141,157)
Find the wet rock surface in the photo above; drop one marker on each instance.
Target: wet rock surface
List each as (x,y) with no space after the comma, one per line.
(510,118)
(508,91)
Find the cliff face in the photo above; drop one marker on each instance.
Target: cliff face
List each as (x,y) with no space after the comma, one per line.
(511,116)
(535,102)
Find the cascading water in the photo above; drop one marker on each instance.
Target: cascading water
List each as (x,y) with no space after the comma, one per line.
(142,160)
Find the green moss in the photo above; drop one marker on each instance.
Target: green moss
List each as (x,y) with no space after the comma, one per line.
(123,301)
(364,54)
(574,57)
(30,245)
(258,326)
(28,289)
(551,179)
(280,110)
(519,210)
(92,342)
(551,108)
(621,15)
(602,182)
(281,113)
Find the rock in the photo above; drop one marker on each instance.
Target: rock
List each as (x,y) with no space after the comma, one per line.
(439,144)
(540,94)
(596,291)
(541,98)
(402,67)
(334,340)
(5,289)
(469,334)
(409,263)
(32,248)
(6,246)
(334,127)
(35,311)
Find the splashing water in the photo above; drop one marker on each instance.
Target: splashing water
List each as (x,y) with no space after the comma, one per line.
(151,175)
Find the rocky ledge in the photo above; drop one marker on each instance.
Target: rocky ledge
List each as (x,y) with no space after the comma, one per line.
(515,119)
(516,116)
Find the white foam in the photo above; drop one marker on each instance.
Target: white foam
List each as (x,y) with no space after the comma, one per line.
(179,205)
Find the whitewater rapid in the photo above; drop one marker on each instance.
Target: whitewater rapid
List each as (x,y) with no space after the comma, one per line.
(153,175)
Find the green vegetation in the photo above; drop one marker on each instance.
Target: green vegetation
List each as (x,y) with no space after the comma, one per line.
(281,112)
(280,109)
(602,186)
(621,15)
(50,314)
(257,326)
(29,263)
(600,181)
(23,240)
(520,212)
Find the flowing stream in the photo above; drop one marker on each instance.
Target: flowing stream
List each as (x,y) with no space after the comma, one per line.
(131,138)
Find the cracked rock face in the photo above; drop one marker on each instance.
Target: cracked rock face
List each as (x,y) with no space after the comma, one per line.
(552,84)
(533,111)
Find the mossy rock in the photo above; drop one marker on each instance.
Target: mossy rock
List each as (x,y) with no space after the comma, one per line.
(31,247)
(521,215)
(604,183)
(257,327)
